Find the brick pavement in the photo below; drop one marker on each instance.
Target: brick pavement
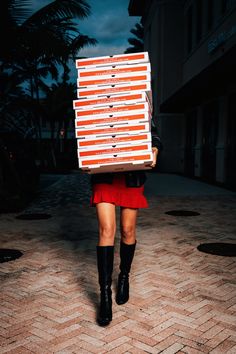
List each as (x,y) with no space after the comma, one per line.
(182,300)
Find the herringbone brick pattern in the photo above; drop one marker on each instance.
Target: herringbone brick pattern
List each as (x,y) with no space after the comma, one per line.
(181,301)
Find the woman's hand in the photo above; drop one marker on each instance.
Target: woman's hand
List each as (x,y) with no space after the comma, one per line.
(155,153)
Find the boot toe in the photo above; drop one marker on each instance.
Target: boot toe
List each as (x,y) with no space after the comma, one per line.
(122,298)
(104,321)
(121,301)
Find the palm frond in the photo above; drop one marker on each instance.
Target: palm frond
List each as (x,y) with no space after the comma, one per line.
(138,31)
(137,41)
(60,9)
(14,11)
(80,42)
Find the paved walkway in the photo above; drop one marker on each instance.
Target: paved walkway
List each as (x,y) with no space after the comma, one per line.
(174,185)
(181,301)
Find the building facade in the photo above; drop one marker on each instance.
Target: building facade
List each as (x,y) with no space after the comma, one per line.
(192,48)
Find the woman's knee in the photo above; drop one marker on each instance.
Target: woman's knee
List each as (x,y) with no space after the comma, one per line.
(107,232)
(128,233)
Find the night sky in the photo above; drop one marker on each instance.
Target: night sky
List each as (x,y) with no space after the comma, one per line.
(109,23)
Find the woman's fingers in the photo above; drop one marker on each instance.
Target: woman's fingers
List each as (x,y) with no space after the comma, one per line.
(155,153)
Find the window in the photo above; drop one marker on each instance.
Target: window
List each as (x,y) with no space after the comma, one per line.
(199,21)
(190,29)
(210,14)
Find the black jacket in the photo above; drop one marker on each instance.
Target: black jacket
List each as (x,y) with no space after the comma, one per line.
(133,178)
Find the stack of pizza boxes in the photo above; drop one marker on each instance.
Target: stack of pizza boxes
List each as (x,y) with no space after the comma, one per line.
(113,113)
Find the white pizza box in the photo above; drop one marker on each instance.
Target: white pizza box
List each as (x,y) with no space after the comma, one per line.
(103,91)
(112,109)
(113,79)
(114,69)
(101,150)
(119,167)
(116,119)
(110,100)
(118,59)
(115,139)
(93,131)
(97,162)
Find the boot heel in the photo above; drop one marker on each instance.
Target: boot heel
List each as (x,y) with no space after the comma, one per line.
(105,311)
(122,295)
(126,258)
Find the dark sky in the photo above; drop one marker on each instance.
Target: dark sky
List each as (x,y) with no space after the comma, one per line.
(109,23)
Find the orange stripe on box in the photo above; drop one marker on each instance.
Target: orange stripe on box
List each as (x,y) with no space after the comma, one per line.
(114,150)
(107,100)
(110,130)
(110,60)
(110,110)
(118,159)
(112,119)
(111,81)
(113,140)
(114,71)
(113,89)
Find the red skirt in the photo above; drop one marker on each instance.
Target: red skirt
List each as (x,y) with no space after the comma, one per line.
(118,194)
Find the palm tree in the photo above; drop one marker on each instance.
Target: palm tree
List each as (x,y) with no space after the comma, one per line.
(58,112)
(10,92)
(45,39)
(57,106)
(15,20)
(136,42)
(37,46)
(39,43)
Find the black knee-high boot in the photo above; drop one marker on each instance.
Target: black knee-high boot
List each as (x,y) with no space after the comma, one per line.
(105,258)
(126,258)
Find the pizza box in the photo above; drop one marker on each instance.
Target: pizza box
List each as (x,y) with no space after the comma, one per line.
(81,133)
(133,58)
(113,79)
(116,139)
(114,149)
(114,69)
(136,158)
(109,110)
(110,100)
(113,120)
(117,168)
(102,91)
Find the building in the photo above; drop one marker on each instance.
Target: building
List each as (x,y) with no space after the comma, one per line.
(192,48)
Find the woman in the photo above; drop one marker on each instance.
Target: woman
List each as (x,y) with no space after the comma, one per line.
(111,190)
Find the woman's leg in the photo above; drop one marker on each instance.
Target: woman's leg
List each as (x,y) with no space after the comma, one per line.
(106,216)
(105,258)
(128,218)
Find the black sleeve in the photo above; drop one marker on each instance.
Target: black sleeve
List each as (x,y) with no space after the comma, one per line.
(156,141)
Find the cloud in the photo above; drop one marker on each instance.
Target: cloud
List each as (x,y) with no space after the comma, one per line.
(109,23)
(109,28)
